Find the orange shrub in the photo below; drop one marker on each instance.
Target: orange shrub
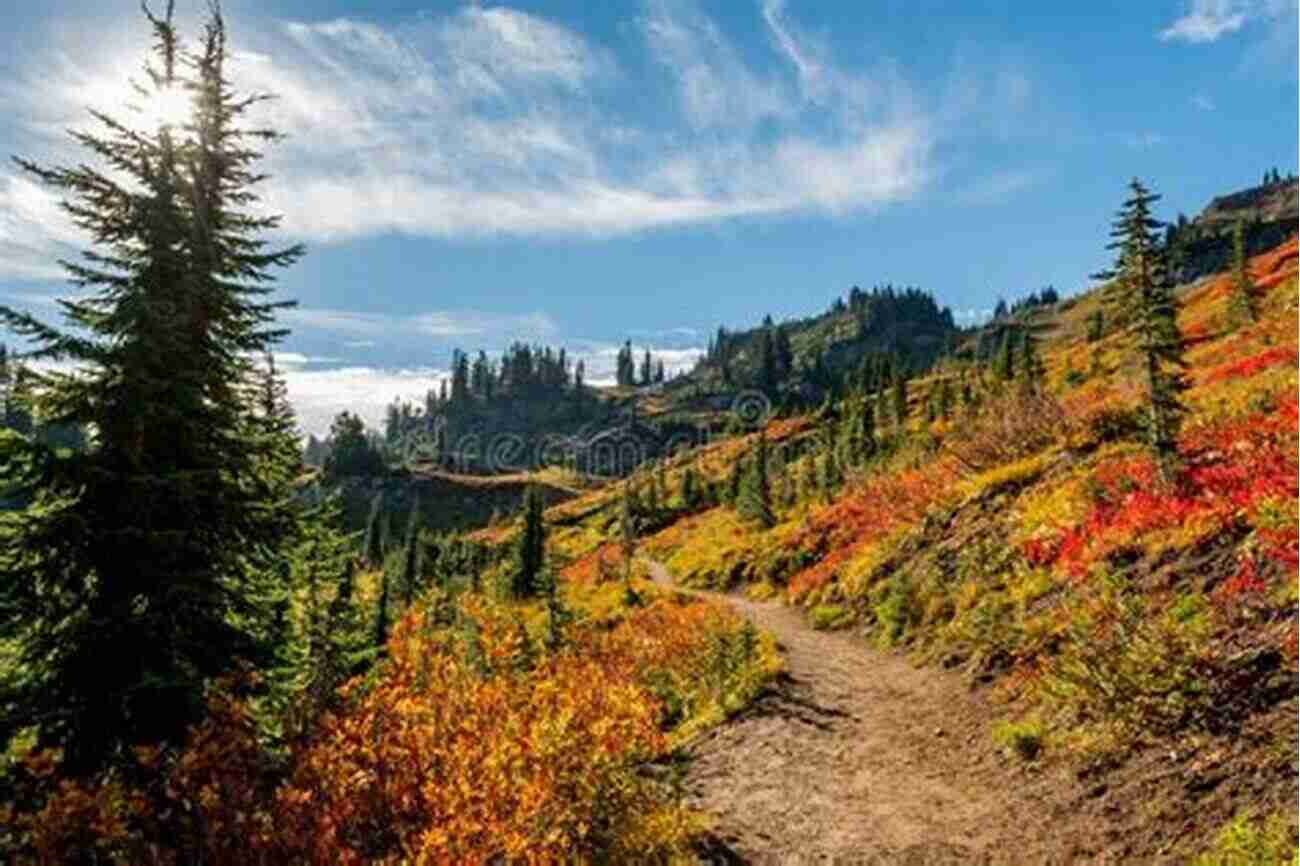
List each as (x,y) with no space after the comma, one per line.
(470,744)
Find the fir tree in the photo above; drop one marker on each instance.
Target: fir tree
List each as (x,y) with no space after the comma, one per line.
(178,587)
(379,634)
(1032,371)
(1243,301)
(530,547)
(1006,366)
(866,430)
(411,556)
(373,547)
(558,614)
(900,403)
(690,494)
(333,635)
(627,530)
(755,499)
(733,482)
(768,374)
(1096,325)
(1140,273)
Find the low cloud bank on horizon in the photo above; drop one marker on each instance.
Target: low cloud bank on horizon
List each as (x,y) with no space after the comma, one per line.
(319,391)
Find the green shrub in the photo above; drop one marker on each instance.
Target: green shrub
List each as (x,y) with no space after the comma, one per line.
(896,611)
(1025,738)
(1246,842)
(829,616)
(1121,665)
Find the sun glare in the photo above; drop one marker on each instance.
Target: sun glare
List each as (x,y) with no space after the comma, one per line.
(170,107)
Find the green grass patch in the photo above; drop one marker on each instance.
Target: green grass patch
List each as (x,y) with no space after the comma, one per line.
(1023,738)
(1243,841)
(827,617)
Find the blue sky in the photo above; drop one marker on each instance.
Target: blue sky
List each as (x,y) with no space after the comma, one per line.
(581,173)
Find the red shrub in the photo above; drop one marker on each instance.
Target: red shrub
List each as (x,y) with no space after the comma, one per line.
(1244,367)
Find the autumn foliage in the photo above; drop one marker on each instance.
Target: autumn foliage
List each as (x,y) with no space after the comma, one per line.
(471,744)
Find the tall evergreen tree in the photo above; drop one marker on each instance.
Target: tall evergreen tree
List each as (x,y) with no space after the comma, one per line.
(900,402)
(1243,301)
(1032,372)
(866,430)
(647,368)
(1096,325)
(379,634)
(411,556)
(530,547)
(768,365)
(690,493)
(1139,272)
(176,589)
(627,530)
(1006,363)
(373,546)
(755,499)
(734,475)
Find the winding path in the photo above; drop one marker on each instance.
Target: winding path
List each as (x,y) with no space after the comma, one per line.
(857,757)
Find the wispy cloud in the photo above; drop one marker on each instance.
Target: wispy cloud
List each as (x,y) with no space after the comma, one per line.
(997,188)
(1206,21)
(1209,20)
(486,122)
(503,327)
(1203,102)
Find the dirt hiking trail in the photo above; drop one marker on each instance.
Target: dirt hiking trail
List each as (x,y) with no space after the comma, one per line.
(855,756)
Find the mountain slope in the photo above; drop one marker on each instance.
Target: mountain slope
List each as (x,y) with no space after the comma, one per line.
(1023,541)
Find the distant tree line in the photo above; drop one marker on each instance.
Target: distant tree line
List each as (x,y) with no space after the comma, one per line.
(1044,297)
(628,373)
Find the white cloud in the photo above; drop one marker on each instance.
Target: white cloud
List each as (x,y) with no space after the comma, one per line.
(487,122)
(34,231)
(501,327)
(297,359)
(600,360)
(1208,20)
(1203,102)
(318,396)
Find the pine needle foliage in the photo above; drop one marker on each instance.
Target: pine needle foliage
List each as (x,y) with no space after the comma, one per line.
(162,546)
(1140,292)
(755,500)
(411,557)
(1242,302)
(530,547)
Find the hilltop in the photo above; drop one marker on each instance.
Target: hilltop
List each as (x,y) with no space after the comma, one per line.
(1267,214)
